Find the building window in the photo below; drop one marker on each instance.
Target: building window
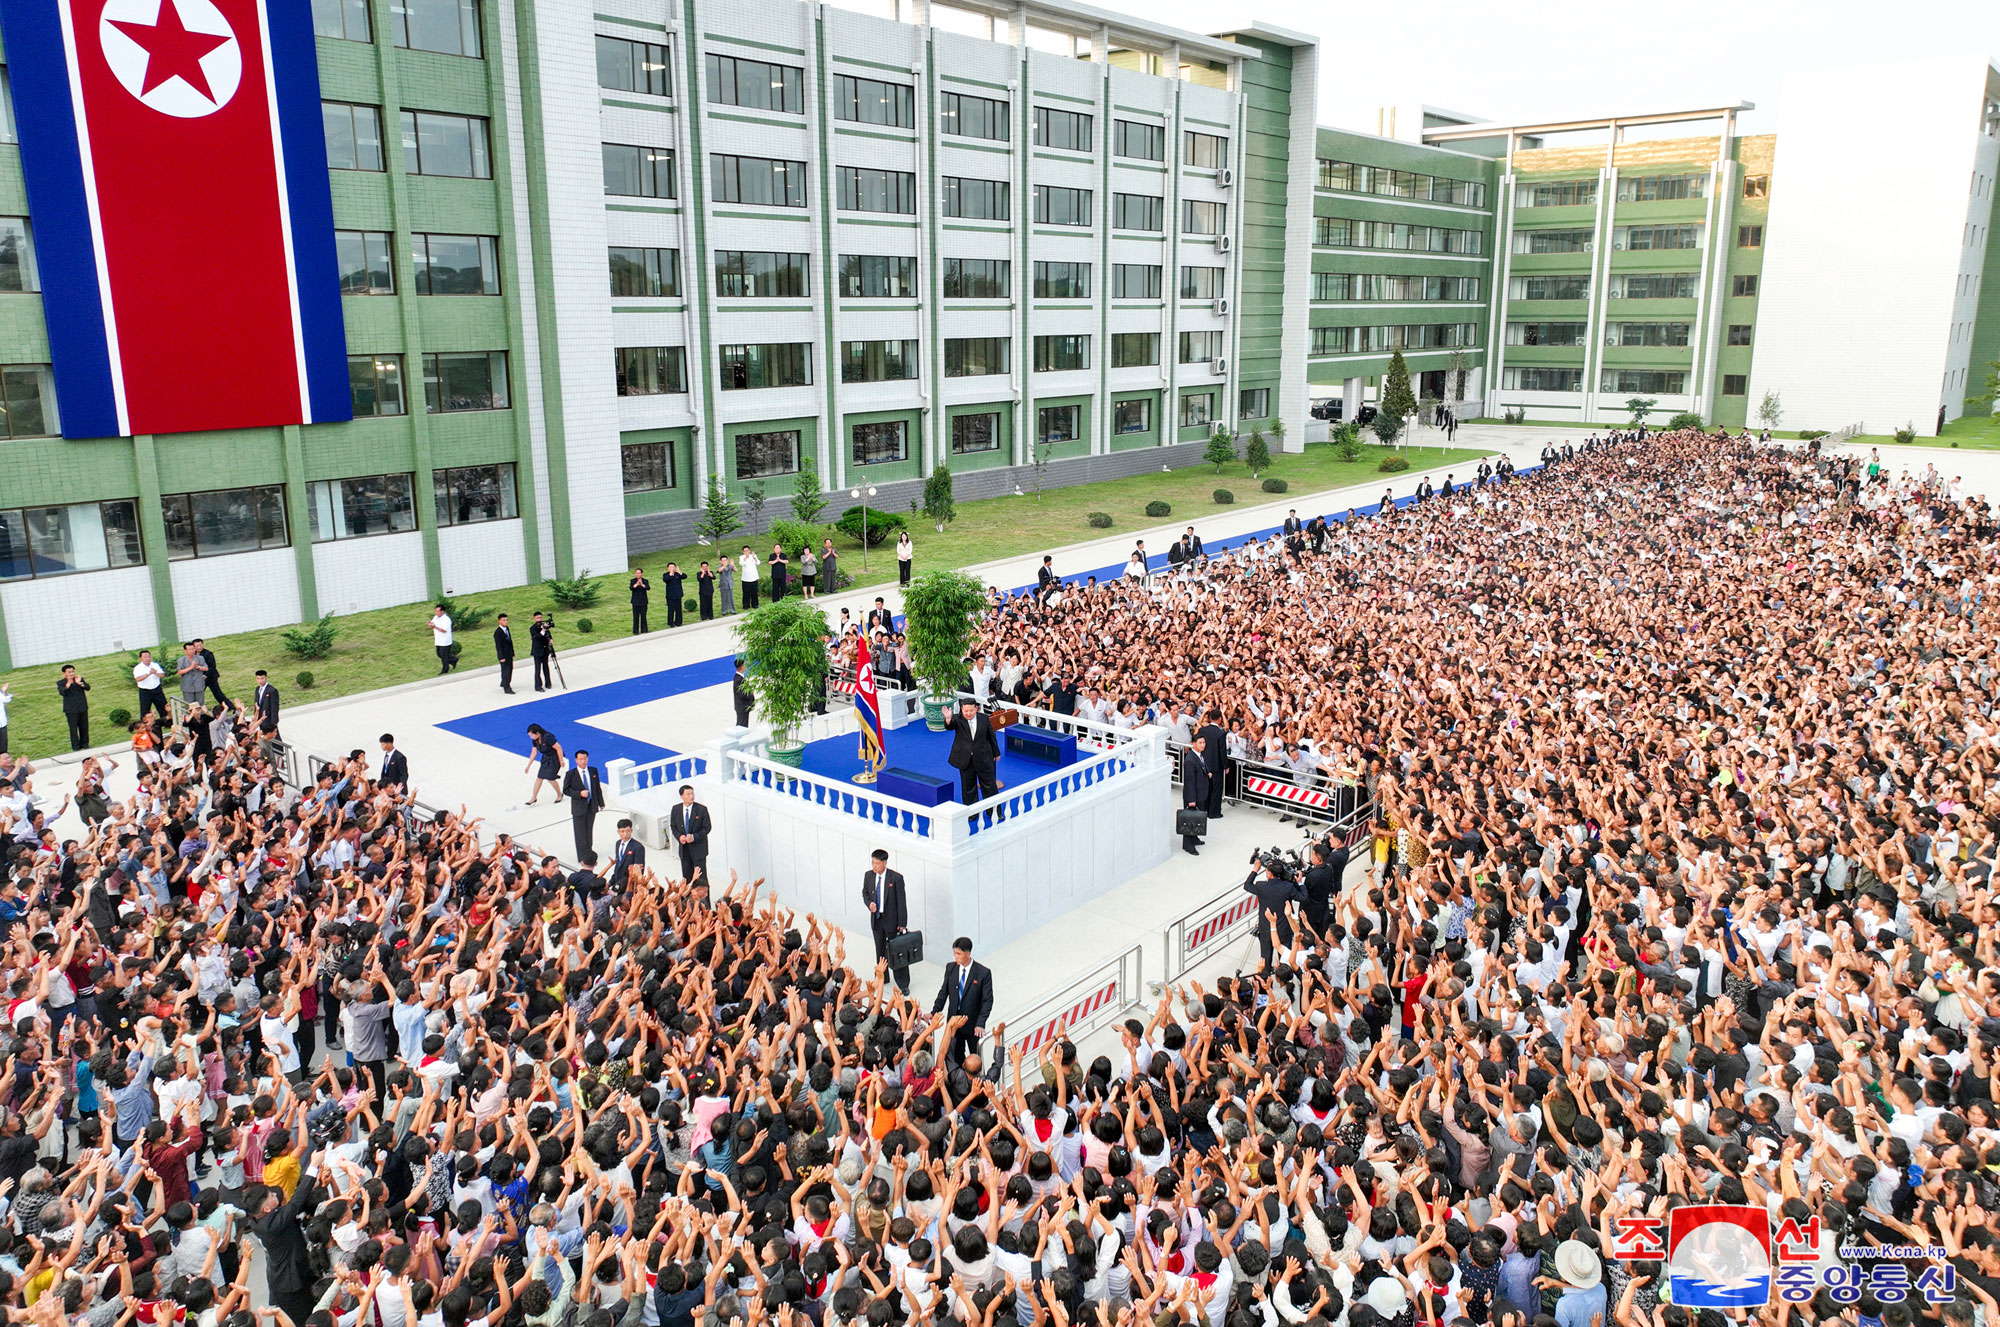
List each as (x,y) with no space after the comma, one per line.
(1735,384)
(1542,380)
(1062,280)
(475,380)
(1135,280)
(1645,382)
(1197,409)
(1201,347)
(759,180)
(1756,186)
(1656,237)
(1061,354)
(1134,350)
(223,521)
(1749,237)
(7,131)
(1332,340)
(456,264)
(343,20)
(84,536)
(1207,151)
(975,356)
(645,272)
(647,467)
(1350,177)
(772,453)
(1653,285)
(638,172)
(454,145)
(967,116)
(1646,334)
(1254,403)
(353,135)
(1739,334)
(1056,206)
(1201,282)
(1745,285)
(634,66)
(365,265)
(771,364)
(1331,287)
(975,433)
(871,101)
(881,441)
(356,508)
(1343,233)
(1546,334)
(450,27)
(747,274)
(877,361)
(1133,416)
(1572,240)
(978,278)
(1138,140)
(651,370)
(733,81)
(878,276)
(17,256)
(1396,336)
(1059,423)
(1064,129)
(982,200)
(1199,218)
(375,385)
(27,397)
(862,189)
(1557,193)
(1662,188)
(474,493)
(1135,211)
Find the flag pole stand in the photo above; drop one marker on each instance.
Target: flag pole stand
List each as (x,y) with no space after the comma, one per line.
(865,776)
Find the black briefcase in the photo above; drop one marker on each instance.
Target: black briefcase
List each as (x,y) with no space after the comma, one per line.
(906,949)
(1188,821)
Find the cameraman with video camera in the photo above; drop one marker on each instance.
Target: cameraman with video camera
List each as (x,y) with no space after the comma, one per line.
(1273,885)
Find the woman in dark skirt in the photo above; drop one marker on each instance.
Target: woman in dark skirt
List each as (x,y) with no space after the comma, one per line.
(778,572)
(545,758)
(829,561)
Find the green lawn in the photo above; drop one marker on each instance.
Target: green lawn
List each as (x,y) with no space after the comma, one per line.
(393,645)
(1971,432)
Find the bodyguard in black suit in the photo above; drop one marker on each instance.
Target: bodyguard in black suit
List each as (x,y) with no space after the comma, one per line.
(689,825)
(583,785)
(673,586)
(395,765)
(277,1225)
(975,752)
(627,855)
(1292,525)
(503,650)
(742,696)
(967,989)
(1213,741)
(888,904)
(1195,784)
(1322,883)
(266,700)
(1273,895)
(1046,580)
(542,648)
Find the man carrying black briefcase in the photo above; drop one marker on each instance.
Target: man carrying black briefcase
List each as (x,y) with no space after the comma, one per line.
(888,903)
(1191,822)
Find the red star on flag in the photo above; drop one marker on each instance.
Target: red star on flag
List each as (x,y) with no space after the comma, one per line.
(172,50)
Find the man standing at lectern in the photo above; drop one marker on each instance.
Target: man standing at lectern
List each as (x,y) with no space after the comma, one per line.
(888,904)
(967,990)
(974,752)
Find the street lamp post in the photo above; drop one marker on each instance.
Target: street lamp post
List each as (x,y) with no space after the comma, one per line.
(855,493)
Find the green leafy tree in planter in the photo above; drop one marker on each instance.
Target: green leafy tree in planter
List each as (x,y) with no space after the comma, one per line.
(1257,453)
(807,501)
(1221,448)
(939,506)
(941,611)
(786,666)
(1397,398)
(720,518)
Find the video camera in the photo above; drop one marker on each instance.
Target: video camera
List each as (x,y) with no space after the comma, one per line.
(1286,864)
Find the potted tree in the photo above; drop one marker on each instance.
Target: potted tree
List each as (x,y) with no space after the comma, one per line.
(941,611)
(786,665)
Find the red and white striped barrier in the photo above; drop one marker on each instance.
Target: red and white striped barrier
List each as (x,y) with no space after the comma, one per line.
(1068,1018)
(1196,936)
(1358,834)
(1286,792)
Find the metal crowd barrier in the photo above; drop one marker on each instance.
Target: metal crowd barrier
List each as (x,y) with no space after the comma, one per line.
(1085,1003)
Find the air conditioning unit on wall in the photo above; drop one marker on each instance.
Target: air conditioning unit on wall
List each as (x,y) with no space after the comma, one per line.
(1225,178)
(1220,308)
(1222,244)
(1219,366)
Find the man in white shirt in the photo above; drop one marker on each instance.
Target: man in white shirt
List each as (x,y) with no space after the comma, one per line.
(151,679)
(441,640)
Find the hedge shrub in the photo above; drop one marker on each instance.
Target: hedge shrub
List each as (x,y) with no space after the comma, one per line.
(1276,486)
(1100,520)
(1686,419)
(882,525)
(1157,508)
(1391,464)
(1224,496)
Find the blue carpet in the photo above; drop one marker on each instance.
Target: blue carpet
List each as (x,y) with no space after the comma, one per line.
(564,713)
(915,748)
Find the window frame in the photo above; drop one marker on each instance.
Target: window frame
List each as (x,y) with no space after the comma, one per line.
(895,284)
(1735,384)
(668,467)
(765,356)
(1193,148)
(667,365)
(1739,334)
(726,73)
(992,417)
(726,173)
(1244,396)
(797,444)
(996,359)
(1053,352)
(263,499)
(423,281)
(1149,135)
(378,364)
(1218,280)
(1045,205)
(1149,346)
(650,166)
(746,276)
(343,11)
(847,95)
(897,187)
(1193,209)
(1119,428)
(1750,237)
(364,239)
(506,485)
(882,360)
(1049,283)
(1151,280)
(433,366)
(1216,341)
(899,429)
(130,549)
(951,116)
(333,491)
(468,25)
(635,64)
(654,262)
(955,276)
(354,135)
(996,194)
(1205,409)
(479,147)
(1151,207)
(1077,129)
(1744,285)
(1045,414)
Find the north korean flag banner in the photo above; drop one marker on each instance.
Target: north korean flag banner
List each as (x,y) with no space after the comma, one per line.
(176,174)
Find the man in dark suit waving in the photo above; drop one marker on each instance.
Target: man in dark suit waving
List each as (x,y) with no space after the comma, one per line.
(967,990)
(888,904)
(689,824)
(584,787)
(975,752)
(627,855)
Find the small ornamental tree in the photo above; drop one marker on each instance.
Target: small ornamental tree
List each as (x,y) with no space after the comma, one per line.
(1387,425)
(938,504)
(720,518)
(1397,398)
(1221,448)
(1257,454)
(807,501)
(941,613)
(1770,410)
(1640,406)
(785,662)
(754,499)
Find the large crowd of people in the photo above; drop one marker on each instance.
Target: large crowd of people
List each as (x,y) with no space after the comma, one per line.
(1686,754)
